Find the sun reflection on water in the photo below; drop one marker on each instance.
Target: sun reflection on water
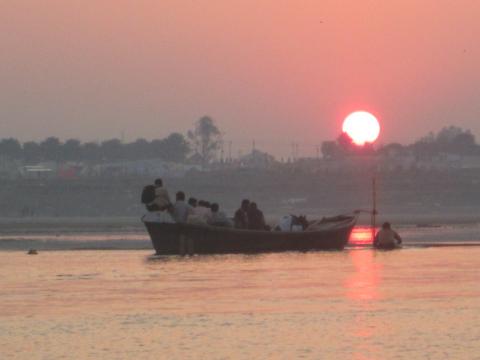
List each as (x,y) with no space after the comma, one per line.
(362,289)
(361,236)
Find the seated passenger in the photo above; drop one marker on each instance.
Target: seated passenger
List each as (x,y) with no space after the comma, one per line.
(218,217)
(155,197)
(201,214)
(192,202)
(240,218)
(387,238)
(180,210)
(256,220)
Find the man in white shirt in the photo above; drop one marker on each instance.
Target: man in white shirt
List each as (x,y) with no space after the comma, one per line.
(162,199)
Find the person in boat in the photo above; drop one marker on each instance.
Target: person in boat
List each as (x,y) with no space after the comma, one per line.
(162,200)
(158,204)
(218,217)
(292,223)
(181,210)
(240,218)
(192,202)
(201,214)
(387,238)
(256,220)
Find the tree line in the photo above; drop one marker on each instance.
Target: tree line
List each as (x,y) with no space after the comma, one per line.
(449,140)
(201,143)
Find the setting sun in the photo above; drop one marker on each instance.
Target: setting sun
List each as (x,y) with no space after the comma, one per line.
(362,127)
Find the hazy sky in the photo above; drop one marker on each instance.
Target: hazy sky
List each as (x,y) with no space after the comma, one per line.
(274,71)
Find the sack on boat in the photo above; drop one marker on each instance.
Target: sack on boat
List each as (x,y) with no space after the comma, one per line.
(286,224)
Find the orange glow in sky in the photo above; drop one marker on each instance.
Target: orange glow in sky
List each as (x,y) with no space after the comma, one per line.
(269,71)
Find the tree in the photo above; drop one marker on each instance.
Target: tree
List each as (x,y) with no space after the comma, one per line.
(10,148)
(50,149)
(448,134)
(344,145)
(455,140)
(140,149)
(31,152)
(392,149)
(72,150)
(112,149)
(176,148)
(205,139)
(465,144)
(449,140)
(91,151)
(345,142)
(329,149)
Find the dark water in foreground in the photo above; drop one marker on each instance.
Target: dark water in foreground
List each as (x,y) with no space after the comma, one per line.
(414,303)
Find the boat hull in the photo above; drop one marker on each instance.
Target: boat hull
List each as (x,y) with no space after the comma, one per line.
(170,239)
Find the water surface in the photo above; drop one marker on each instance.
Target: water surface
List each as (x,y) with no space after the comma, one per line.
(356,304)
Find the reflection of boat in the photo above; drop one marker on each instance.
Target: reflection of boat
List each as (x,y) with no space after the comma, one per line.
(388,247)
(328,234)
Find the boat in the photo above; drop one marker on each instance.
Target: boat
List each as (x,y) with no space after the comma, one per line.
(330,233)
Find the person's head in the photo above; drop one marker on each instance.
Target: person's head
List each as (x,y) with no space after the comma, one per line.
(158,182)
(201,203)
(180,196)
(207,204)
(192,202)
(214,207)
(386,225)
(245,204)
(253,206)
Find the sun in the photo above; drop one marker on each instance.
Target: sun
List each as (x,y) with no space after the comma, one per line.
(362,127)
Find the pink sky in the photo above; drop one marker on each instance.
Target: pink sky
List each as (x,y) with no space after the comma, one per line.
(274,71)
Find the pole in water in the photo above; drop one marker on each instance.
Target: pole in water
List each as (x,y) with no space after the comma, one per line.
(374,207)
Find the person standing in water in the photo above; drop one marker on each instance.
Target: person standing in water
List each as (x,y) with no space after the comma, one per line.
(240,219)
(387,238)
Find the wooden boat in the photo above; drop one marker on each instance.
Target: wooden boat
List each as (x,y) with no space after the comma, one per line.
(175,238)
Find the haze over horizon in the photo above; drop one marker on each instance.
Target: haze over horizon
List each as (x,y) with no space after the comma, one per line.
(269,71)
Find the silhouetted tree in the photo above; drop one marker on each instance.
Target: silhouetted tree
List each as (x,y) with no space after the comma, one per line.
(455,140)
(345,142)
(31,152)
(72,150)
(10,148)
(449,140)
(139,149)
(343,146)
(205,139)
(91,151)
(392,149)
(176,148)
(329,149)
(112,150)
(50,149)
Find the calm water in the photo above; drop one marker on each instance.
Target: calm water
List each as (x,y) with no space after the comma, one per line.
(415,303)
(137,239)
